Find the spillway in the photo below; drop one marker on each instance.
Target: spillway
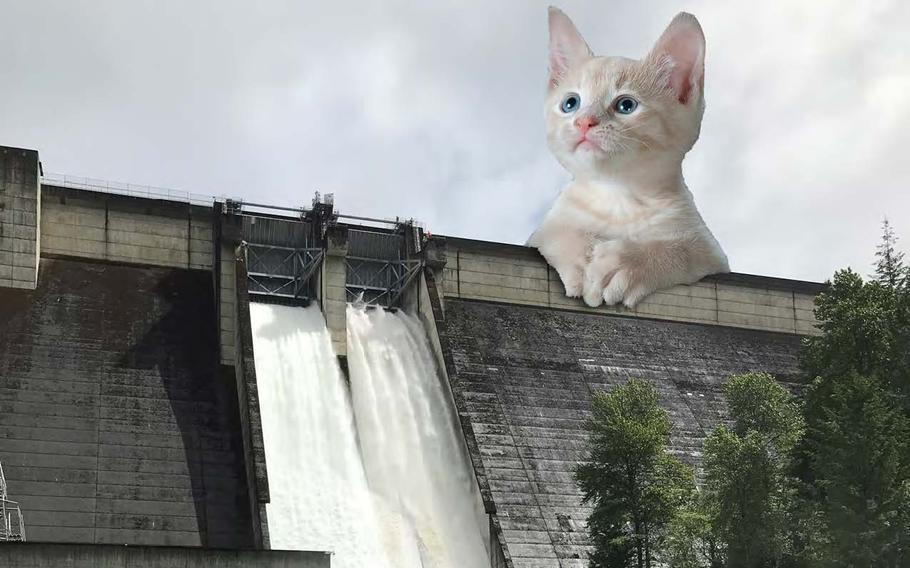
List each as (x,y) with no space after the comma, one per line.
(319,494)
(414,457)
(378,474)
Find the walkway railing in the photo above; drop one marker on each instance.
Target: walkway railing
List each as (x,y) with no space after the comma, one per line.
(129,189)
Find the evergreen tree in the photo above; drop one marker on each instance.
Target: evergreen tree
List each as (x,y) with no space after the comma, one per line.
(855,459)
(636,487)
(889,268)
(858,452)
(747,491)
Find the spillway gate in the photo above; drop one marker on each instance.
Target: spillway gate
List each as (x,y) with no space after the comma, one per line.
(287,255)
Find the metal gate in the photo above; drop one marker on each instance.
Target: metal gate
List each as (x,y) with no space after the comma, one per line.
(377,266)
(281,256)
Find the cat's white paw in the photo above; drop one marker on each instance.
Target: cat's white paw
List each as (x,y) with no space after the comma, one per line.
(635,295)
(605,263)
(594,284)
(617,287)
(592,299)
(573,282)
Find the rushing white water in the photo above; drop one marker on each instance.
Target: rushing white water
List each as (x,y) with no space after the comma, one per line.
(396,491)
(414,457)
(319,494)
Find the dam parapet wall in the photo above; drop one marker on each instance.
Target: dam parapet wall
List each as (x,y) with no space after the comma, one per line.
(497,272)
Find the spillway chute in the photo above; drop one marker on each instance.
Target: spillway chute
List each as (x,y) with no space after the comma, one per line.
(414,459)
(320,499)
(373,469)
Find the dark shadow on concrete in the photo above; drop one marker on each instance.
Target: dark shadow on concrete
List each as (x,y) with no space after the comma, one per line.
(182,345)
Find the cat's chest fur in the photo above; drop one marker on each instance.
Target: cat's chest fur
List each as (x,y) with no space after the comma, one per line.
(610,211)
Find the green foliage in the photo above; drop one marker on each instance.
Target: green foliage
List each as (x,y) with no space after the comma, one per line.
(854,462)
(889,266)
(822,485)
(857,449)
(865,327)
(746,485)
(692,542)
(856,324)
(635,486)
(759,405)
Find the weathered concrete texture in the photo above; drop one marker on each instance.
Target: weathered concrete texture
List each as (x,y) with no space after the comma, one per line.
(32,555)
(332,289)
(115,424)
(20,217)
(250,414)
(120,228)
(228,298)
(523,377)
(227,236)
(514,274)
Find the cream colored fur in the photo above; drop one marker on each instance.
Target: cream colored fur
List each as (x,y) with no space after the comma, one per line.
(626,225)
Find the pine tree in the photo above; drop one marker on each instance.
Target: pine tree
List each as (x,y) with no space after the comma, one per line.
(636,487)
(858,450)
(854,462)
(889,268)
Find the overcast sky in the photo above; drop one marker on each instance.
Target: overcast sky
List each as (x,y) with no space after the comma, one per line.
(434,110)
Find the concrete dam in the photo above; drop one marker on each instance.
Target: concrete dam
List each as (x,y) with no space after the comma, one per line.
(217,382)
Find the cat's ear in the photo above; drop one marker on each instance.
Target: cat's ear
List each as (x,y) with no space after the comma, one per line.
(684,43)
(567,48)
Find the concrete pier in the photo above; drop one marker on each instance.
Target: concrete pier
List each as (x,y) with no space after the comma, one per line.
(20,218)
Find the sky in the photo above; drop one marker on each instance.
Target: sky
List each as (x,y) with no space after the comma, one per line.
(434,110)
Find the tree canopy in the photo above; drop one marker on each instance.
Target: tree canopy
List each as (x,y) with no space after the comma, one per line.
(818,481)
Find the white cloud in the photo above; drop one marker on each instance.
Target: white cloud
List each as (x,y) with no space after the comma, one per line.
(434,111)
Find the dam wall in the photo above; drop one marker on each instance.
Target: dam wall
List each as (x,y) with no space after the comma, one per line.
(130,399)
(124,419)
(523,362)
(95,225)
(116,425)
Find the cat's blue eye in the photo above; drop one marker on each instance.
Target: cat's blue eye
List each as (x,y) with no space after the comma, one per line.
(570,103)
(625,105)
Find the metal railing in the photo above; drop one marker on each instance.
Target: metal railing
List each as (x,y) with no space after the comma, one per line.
(12,526)
(128,189)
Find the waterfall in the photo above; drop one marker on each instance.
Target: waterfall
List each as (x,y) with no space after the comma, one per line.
(396,490)
(413,454)
(319,494)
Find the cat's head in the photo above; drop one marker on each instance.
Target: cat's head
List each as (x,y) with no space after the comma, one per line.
(605,113)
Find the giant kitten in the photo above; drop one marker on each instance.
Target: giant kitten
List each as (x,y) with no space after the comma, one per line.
(626,225)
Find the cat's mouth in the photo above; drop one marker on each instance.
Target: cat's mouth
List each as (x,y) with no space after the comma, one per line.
(585,143)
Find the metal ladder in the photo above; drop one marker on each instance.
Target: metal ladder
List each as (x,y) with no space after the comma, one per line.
(12,527)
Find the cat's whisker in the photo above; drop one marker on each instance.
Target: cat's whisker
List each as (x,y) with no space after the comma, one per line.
(631,139)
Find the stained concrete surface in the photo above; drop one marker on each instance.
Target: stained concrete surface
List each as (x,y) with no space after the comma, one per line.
(523,377)
(115,426)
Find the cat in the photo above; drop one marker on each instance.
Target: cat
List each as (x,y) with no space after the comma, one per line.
(626,226)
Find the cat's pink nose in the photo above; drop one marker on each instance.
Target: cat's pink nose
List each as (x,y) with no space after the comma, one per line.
(584,123)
